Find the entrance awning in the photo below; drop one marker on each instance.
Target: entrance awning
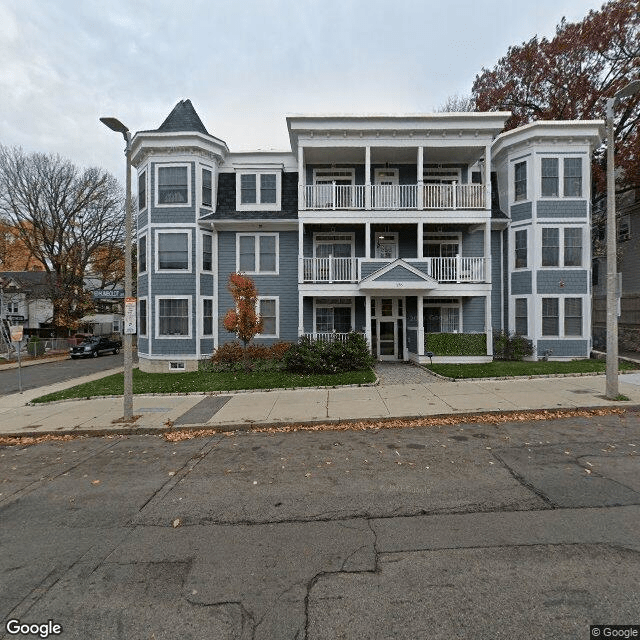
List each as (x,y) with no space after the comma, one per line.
(398,278)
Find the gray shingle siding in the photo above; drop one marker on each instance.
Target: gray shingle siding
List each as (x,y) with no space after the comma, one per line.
(563,348)
(561,209)
(226,200)
(521,211)
(206,346)
(473,315)
(400,274)
(575,281)
(206,284)
(505,277)
(520,283)
(143,344)
(171,215)
(473,244)
(283,286)
(143,219)
(175,347)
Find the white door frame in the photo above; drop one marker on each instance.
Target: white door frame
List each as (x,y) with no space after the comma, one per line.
(394,317)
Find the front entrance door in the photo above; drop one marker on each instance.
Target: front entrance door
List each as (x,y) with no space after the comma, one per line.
(387,328)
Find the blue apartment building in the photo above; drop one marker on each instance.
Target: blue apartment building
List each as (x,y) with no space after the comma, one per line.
(396,226)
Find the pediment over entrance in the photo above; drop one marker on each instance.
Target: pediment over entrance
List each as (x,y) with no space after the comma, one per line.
(398,276)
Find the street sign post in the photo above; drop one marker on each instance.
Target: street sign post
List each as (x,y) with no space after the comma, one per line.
(129,315)
(16,331)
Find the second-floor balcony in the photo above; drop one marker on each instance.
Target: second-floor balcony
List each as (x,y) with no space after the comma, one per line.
(455,269)
(394,197)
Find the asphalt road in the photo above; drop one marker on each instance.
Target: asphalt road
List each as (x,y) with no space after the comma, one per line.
(40,375)
(520,530)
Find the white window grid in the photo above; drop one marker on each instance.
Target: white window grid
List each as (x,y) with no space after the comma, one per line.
(275,299)
(561,176)
(258,269)
(160,336)
(561,247)
(258,205)
(186,232)
(157,194)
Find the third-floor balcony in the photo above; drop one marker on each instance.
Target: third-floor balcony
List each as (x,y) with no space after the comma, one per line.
(394,197)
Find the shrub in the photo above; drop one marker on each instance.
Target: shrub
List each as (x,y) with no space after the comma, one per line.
(228,353)
(232,356)
(511,346)
(317,356)
(279,349)
(456,344)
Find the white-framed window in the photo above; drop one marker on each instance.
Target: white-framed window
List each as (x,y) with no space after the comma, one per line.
(207,252)
(442,245)
(386,245)
(257,253)
(521,261)
(520,181)
(336,245)
(561,179)
(207,316)
(573,316)
(624,228)
(173,251)
(550,316)
(434,174)
(566,313)
(268,308)
(521,317)
(142,190)
(173,317)
(143,317)
(258,190)
(333,315)
(442,315)
(13,307)
(207,187)
(142,253)
(173,185)
(571,241)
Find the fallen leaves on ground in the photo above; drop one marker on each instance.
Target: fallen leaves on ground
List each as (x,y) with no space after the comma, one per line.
(403,423)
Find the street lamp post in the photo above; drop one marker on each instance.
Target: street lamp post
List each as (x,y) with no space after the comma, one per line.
(115,125)
(612,307)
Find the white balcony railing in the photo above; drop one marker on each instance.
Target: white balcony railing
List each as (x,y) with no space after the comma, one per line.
(329,269)
(334,196)
(394,196)
(458,269)
(453,269)
(386,196)
(328,336)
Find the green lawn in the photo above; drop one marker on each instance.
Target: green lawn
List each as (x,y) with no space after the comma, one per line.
(498,369)
(202,381)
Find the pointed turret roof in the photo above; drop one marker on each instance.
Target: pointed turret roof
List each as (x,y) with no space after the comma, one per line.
(183,118)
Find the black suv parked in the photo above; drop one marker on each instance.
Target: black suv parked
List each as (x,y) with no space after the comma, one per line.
(94,347)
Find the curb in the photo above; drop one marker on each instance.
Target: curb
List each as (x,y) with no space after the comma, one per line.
(585,374)
(30,363)
(259,426)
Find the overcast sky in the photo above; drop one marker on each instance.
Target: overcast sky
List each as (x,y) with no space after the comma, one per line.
(244,64)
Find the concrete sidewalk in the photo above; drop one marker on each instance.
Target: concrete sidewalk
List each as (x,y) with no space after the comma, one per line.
(243,409)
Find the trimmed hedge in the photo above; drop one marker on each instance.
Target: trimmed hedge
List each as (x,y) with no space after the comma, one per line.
(337,356)
(456,344)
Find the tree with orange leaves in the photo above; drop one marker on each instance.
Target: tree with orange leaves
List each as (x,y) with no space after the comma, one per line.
(243,319)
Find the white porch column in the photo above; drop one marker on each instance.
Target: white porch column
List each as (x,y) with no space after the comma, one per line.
(367,316)
(301,179)
(487,251)
(487,177)
(420,325)
(300,252)
(420,178)
(420,253)
(367,240)
(300,314)
(487,322)
(367,178)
